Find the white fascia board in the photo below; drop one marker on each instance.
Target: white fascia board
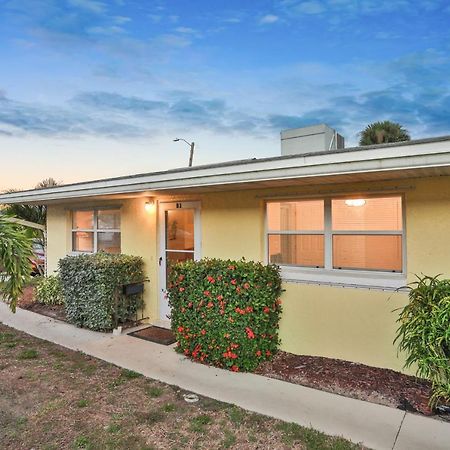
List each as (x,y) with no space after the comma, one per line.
(414,156)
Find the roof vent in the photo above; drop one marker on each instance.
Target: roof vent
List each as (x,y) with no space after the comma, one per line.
(316,138)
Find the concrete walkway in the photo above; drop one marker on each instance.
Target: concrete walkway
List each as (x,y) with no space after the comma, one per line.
(378,427)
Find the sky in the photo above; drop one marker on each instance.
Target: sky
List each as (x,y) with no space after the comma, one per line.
(92,88)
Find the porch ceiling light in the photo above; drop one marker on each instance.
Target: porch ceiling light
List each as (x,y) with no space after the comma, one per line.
(355,202)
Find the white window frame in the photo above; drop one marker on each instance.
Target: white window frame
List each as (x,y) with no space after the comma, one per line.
(95,230)
(328,275)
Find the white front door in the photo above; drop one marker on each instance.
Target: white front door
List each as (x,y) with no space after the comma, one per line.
(179,224)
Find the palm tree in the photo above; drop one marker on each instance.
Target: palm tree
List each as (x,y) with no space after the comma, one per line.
(31,213)
(383,132)
(15,264)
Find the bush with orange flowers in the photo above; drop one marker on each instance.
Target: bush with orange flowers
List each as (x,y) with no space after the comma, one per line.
(226,313)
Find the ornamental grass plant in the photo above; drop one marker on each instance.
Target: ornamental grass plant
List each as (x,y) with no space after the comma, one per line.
(424,334)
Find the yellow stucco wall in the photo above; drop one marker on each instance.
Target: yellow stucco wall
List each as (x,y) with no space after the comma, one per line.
(355,324)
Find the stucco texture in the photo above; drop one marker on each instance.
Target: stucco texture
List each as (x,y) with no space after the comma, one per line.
(354,324)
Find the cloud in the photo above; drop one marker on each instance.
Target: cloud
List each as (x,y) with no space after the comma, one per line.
(19,119)
(109,30)
(107,114)
(411,90)
(89,5)
(185,30)
(121,19)
(346,9)
(311,7)
(233,20)
(268,19)
(109,100)
(172,40)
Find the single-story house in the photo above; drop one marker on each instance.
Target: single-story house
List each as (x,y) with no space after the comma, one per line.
(348,226)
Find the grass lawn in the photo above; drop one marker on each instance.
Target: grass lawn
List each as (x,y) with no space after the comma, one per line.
(54,398)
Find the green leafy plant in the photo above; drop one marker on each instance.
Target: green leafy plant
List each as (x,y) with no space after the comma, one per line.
(424,333)
(226,313)
(16,251)
(92,288)
(382,133)
(48,290)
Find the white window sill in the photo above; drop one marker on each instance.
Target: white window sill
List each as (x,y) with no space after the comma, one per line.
(79,253)
(344,278)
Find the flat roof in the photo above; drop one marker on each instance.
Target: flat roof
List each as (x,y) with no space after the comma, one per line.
(395,158)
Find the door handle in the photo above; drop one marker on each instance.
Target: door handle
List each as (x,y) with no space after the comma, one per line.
(160,261)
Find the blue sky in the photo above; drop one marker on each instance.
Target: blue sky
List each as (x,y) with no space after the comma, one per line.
(92,88)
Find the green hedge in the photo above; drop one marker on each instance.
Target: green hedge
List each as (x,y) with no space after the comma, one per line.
(424,334)
(48,290)
(90,284)
(226,313)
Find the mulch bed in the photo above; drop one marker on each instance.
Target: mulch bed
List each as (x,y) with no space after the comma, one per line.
(55,311)
(27,301)
(359,381)
(155,334)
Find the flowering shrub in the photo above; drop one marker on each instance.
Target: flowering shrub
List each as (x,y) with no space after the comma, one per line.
(226,313)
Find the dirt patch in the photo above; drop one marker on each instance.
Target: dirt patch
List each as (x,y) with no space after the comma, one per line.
(55,398)
(373,384)
(27,297)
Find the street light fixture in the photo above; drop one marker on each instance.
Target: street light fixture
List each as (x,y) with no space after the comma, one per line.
(191,145)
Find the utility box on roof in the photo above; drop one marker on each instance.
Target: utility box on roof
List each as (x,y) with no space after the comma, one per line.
(316,138)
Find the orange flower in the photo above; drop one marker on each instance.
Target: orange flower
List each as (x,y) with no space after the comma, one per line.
(203,332)
(233,282)
(246,285)
(266,309)
(250,333)
(207,293)
(258,353)
(182,289)
(211,279)
(180,329)
(235,368)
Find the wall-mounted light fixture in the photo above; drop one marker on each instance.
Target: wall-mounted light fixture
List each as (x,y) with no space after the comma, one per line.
(355,202)
(150,204)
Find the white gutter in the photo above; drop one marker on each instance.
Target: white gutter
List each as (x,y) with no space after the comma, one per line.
(415,155)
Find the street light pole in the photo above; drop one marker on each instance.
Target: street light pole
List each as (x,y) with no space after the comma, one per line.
(191,146)
(191,153)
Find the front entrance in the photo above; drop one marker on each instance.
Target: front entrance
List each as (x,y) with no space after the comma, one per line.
(180,241)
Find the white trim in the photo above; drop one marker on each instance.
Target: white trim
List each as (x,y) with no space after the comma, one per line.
(388,159)
(95,230)
(356,278)
(163,207)
(377,279)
